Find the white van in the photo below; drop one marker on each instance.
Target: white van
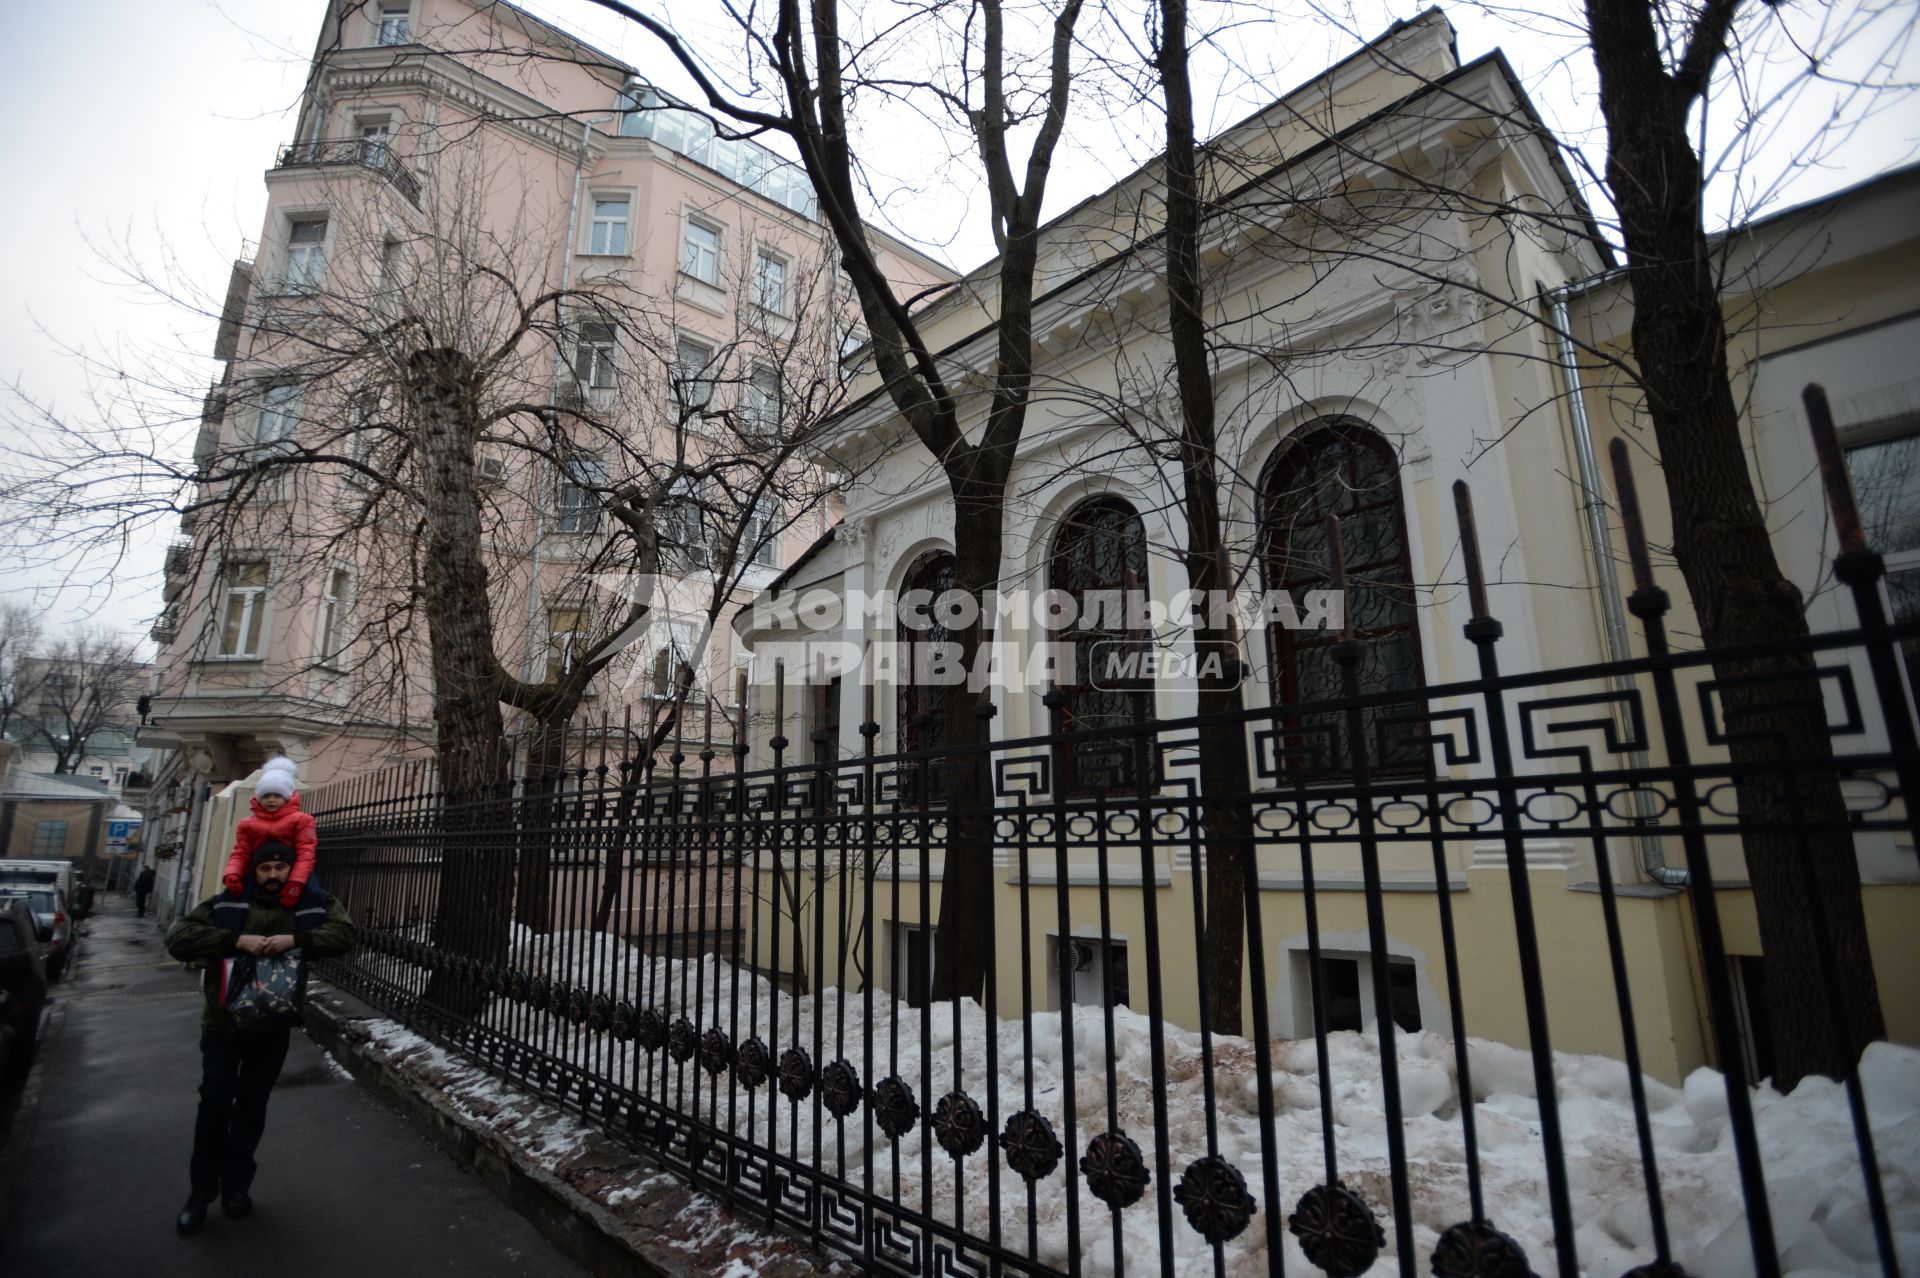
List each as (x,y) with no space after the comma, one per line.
(59,874)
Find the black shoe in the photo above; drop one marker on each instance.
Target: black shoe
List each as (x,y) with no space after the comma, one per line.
(192,1216)
(236,1205)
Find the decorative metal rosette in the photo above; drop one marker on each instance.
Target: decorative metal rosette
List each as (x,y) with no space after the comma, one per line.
(840,1088)
(622,1024)
(600,1014)
(539,993)
(1031,1147)
(752,1063)
(1115,1171)
(958,1124)
(558,999)
(1474,1249)
(682,1042)
(796,1074)
(493,978)
(716,1051)
(577,1006)
(517,983)
(1337,1230)
(894,1107)
(1213,1194)
(651,1030)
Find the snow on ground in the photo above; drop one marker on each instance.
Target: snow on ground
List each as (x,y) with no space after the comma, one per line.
(1815,1188)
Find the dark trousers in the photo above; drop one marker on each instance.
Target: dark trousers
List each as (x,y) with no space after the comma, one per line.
(140,900)
(237,1073)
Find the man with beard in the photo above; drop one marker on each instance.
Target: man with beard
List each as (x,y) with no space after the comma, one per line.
(238,1066)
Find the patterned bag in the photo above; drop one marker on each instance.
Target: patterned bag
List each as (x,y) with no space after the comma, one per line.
(262,991)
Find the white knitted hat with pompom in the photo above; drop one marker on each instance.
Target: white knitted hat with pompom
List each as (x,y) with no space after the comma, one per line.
(276,777)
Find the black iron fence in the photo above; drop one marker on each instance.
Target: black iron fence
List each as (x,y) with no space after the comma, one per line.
(1470,1008)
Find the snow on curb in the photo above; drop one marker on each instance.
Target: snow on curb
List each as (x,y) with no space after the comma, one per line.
(1806,1138)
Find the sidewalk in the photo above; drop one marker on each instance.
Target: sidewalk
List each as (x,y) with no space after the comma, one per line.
(94,1169)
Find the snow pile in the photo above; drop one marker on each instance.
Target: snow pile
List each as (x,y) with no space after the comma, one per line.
(1815,1187)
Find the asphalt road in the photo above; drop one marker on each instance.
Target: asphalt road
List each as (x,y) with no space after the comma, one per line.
(95,1167)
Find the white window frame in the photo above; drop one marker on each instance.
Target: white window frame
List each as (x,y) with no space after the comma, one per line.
(252,598)
(376,140)
(761,524)
(306,261)
(565,646)
(574,507)
(692,385)
(610,236)
(762,398)
(336,598)
(673,643)
(699,261)
(596,356)
(393,25)
(683,519)
(278,422)
(764,258)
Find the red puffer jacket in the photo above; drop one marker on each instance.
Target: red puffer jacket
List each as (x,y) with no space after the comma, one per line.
(290,826)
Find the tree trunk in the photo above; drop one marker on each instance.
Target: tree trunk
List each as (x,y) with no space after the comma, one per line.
(540,820)
(1721,545)
(1223,755)
(966,886)
(476,877)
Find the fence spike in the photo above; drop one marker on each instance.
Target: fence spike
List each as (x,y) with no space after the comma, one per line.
(1630,521)
(1470,548)
(1833,470)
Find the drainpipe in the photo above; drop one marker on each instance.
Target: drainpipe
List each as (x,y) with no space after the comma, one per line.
(1653,860)
(553,392)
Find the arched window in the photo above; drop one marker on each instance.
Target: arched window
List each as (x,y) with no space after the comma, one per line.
(1342,468)
(1100,560)
(922,723)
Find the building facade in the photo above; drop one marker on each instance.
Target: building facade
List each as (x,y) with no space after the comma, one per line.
(1395,235)
(655,294)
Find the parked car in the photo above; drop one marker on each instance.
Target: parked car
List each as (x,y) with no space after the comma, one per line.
(23,987)
(53,923)
(17,872)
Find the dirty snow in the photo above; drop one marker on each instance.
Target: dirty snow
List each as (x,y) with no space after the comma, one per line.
(1806,1138)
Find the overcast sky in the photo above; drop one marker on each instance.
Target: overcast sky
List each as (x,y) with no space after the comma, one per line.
(142,128)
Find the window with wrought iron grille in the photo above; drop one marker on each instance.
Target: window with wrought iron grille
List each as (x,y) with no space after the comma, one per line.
(1101,549)
(1343,469)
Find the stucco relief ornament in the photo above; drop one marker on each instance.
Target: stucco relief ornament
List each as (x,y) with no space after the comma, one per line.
(716,1051)
(1115,1171)
(1337,1231)
(958,1124)
(1214,1196)
(751,1063)
(853,533)
(682,1042)
(1031,1147)
(894,1108)
(796,1074)
(840,1088)
(651,1030)
(1474,1249)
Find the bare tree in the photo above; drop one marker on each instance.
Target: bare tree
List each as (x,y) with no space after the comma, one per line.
(84,683)
(998,94)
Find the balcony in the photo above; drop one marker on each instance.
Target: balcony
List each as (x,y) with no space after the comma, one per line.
(358,153)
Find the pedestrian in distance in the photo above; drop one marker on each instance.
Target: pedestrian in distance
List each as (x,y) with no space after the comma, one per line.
(142,889)
(239,1066)
(276,816)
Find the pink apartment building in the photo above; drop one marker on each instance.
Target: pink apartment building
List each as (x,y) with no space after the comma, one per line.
(454,163)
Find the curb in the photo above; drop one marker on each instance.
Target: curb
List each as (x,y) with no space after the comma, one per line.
(609,1245)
